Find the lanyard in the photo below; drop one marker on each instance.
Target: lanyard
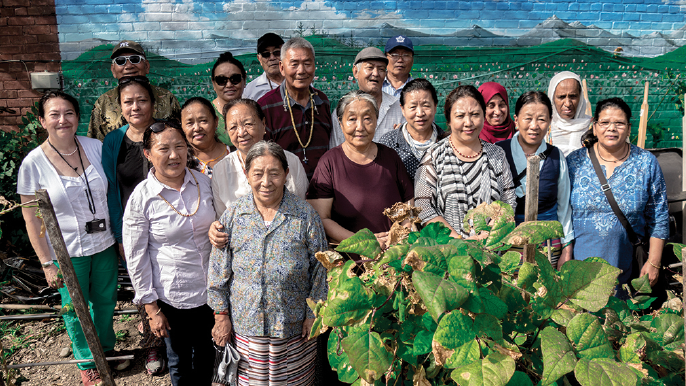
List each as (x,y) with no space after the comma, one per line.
(84,177)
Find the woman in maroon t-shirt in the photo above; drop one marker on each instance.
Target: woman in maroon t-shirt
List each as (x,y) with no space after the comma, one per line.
(355,181)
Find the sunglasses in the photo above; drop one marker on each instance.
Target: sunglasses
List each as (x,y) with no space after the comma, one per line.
(235,79)
(160,125)
(133,59)
(267,54)
(137,79)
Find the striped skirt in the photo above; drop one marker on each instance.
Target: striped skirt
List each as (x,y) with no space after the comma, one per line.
(275,361)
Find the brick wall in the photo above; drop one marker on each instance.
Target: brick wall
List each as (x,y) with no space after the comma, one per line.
(28,32)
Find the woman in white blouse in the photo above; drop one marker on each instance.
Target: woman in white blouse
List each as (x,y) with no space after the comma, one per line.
(165,240)
(68,167)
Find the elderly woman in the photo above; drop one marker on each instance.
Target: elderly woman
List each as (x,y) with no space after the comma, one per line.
(68,167)
(418,102)
(199,122)
(637,184)
(498,126)
(462,171)
(228,80)
(125,167)
(345,176)
(532,119)
(165,241)
(259,282)
(570,120)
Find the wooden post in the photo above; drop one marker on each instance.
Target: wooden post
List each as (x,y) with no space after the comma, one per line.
(643,123)
(589,108)
(531,207)
(72,283)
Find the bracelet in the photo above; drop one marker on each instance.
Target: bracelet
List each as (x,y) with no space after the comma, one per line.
(656,266)
(225,312)
(158,311)
(46,264)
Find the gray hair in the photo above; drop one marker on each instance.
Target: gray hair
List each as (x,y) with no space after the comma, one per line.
(266,148)
(296,42)
(350,97)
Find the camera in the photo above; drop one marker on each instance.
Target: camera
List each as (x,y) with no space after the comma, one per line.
(96,226)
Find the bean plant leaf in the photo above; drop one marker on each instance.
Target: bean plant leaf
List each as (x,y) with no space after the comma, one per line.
(520,379)
(562,316)
(461,268)
(499,232)
(422,343)
(512,297)
(484,301)
(558,355)
(395,252)
(604,372)
(437,231)
(363,243)
(488,326)
(348,301)
(642,284)
(454,341)
(510,262)
(634,344)
(677,249)
(528,274)
(588,284)
(669,328)
(341,363)
(548,294)
(588,337)
(428,259)
(494,370)
(367,354)
(329,259)
(439,295)
(535,232)
(489,217)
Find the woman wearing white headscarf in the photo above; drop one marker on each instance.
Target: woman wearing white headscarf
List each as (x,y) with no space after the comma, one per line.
(570,120)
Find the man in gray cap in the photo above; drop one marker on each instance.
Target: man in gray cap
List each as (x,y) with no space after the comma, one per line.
(370,70)
(400,53)
(128,59)
(268,53)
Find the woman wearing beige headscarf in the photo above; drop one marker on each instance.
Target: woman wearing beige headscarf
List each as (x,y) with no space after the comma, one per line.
(570,120)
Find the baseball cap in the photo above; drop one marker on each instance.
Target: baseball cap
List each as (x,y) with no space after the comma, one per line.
(399,41)
(370,53)
(127,45)
(269,40)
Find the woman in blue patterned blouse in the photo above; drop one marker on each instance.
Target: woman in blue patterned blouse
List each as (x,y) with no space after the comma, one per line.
(637,184)
(258,283)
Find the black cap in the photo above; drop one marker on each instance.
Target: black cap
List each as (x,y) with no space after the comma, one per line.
(268,40)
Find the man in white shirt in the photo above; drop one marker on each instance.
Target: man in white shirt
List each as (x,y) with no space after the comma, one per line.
(268,53)
(400,53)
(369,70)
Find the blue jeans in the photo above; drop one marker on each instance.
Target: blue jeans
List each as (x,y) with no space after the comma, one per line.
(189,346)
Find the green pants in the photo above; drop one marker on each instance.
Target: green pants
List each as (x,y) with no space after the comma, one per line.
(97,275)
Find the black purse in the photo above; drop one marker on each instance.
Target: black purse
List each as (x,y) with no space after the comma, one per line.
(640,253)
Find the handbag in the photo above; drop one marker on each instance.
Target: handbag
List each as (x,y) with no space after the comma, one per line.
(640,253)
(228,368)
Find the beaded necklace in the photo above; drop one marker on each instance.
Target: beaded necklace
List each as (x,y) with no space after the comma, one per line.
(290,111)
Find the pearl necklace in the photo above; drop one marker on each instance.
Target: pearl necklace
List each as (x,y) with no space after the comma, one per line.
(466,156)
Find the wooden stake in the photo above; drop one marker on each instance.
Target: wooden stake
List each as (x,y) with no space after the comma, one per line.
(643,123)
(589,108)
(531,206)
(72,283)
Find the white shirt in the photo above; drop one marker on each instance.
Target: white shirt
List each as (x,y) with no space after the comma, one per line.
(68,197)
(167,254)
(390,114)
(229,182)
(258,87)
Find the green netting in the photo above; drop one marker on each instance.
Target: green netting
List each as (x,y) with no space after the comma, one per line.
(519,69)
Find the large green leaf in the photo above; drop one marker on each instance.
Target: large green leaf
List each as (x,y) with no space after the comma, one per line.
(603,372)
(494,370)
(535,232)
(367,354)
(422,343)
(512,297)
(558,356)
(634,344)
(340,363)
(520,379)
(455,342)
(669,328)
(642,284)
(439,295)
(430,259)
(461,268)
(363,243)
(528,274)
(348,301)
(499,231)
(488,326)
(486,217)
(588,284)
(589,338)
(395,252)
(437,231)
(562,316)
(548,293)
(677,249)
(510,261)
(484,301)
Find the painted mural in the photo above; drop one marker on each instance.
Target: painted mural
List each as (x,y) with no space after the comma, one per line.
(616,46)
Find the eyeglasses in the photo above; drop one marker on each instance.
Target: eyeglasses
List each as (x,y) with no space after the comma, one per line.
(133,59)
(160,125)
(398,56)
(235,79)
(606,124)
(137,79)
(267,54)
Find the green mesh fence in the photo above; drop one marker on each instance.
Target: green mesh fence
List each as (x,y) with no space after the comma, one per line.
(519,69)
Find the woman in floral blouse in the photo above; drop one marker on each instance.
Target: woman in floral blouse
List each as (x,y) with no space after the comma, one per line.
(258,283)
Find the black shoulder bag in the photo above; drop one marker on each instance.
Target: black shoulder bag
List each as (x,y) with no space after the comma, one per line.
(640,246)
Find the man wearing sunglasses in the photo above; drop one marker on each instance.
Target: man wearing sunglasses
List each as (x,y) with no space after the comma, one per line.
(128,59)
(268,53)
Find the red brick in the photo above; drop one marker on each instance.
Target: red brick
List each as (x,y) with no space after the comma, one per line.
(3,21)
(47,38)
(13,3)
(7,31)
(12,49)
(48,55)
(44,20)
(13,85)
(36,30)
(41,10)
(8,94)
(28,94)
(6,11)
(21,11)
(19,102)
(39,48)
(53,29)
(21,21)
(42,2)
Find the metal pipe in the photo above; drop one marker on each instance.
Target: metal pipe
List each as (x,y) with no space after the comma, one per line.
(69,362)
(675,265)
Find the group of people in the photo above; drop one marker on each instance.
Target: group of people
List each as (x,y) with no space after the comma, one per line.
(217,208)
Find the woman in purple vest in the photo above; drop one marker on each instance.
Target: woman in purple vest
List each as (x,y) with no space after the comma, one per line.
(533,112)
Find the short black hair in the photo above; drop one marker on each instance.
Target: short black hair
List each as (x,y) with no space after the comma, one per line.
(57,94)
(459,93)
(143,81)
(534,97)
(227,57)
(419,84)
